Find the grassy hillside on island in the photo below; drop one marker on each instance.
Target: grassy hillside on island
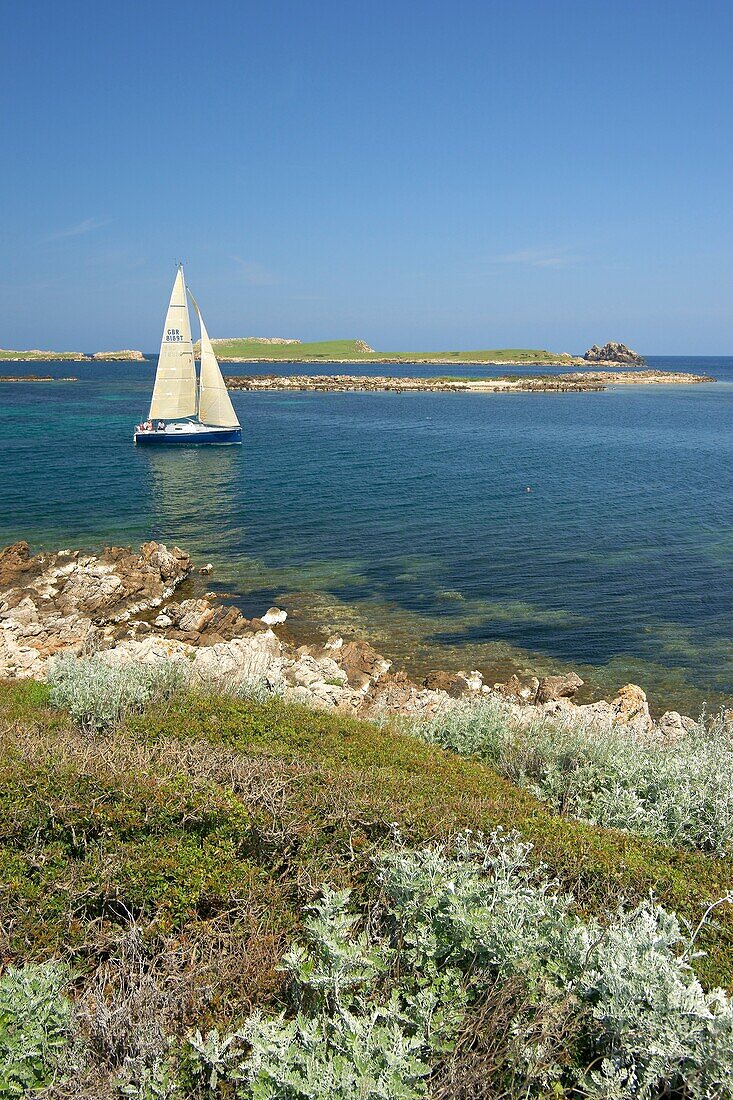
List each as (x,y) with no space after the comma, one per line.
(217,896)
(358,351)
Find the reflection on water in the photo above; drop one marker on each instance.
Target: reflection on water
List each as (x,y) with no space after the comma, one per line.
(194,494)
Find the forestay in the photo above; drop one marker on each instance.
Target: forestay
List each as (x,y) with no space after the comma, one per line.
(174,393)
(215,406)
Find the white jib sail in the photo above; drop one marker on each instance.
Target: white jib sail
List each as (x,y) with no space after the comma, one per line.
(174,393)
(215,406)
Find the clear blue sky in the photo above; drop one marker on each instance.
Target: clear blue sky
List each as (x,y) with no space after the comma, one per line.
(537,173)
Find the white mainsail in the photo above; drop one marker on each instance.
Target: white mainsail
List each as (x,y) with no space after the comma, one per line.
(174,393)
(215,406)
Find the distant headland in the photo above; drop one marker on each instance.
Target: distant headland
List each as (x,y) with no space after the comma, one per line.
(255,349)
(265,349)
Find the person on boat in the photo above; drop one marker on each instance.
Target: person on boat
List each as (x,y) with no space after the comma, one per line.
(161,425)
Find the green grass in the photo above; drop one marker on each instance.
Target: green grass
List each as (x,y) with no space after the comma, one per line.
(329,350)
(211,813)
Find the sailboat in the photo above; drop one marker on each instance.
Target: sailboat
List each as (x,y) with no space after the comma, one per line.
(185,410)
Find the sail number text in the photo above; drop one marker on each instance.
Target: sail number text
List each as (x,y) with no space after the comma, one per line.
(173,334)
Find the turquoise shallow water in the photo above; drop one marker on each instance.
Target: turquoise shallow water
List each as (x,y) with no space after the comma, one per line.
(405,517)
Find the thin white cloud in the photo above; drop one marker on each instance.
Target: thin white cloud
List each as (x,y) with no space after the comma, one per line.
(78,230)
(253,273)
(538,257)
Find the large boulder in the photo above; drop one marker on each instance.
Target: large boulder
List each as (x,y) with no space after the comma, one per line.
(455,684)
(397,694)
(203,622)
(360,661)
(15,560)
(256,660)
(517,689)
(673,725)
(551,688)
(613,352)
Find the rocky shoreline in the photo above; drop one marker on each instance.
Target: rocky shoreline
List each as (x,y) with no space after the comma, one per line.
(555,383)
(120,606)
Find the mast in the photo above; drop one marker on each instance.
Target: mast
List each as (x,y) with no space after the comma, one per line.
(174,392)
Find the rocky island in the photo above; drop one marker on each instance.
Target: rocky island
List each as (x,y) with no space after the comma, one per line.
(122,356)
(34,378)
(252,349)
(577,382)
(614,353)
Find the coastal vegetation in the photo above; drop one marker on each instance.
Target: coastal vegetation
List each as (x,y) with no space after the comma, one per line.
(210,894)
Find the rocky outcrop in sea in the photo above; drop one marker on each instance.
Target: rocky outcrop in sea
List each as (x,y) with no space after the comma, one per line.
(614,353)
(579,381)
(120,606)
(127,355)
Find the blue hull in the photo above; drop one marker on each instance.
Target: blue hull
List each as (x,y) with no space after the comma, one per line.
(188,439)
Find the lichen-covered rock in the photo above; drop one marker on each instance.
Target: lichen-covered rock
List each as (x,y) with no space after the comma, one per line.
(631,710)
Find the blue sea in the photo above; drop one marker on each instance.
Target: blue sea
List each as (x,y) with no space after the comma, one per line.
(406,518)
